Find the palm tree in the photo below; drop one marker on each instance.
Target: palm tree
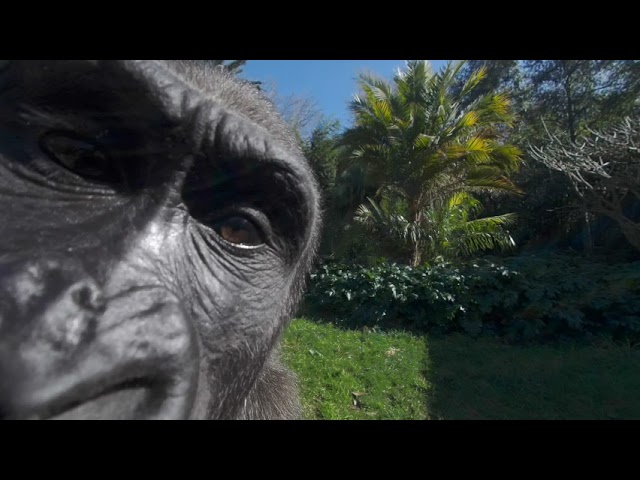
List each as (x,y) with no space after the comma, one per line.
(422,150)
(449,232)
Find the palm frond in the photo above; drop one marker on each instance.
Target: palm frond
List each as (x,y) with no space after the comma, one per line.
(472,82)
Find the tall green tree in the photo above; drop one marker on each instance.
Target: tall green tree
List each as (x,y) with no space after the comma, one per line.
(500,76)
(420,147)
(322,151)
(572,96)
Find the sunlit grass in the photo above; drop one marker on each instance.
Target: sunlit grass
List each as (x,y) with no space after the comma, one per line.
(355,374)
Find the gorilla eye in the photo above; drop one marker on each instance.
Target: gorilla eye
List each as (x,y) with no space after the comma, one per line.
(80,157)
(239,231)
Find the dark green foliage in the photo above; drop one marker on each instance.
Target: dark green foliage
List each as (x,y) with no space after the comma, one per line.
(322,152)
(521,298)
(571,95)
(501,76)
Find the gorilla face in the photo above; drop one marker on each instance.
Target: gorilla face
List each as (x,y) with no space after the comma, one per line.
(157,223)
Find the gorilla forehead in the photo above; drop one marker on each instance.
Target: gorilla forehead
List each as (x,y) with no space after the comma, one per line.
(221,86)
(175,86)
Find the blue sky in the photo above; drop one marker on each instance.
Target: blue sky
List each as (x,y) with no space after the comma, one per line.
(331,83)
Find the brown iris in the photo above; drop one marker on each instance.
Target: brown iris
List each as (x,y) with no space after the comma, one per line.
(239,231)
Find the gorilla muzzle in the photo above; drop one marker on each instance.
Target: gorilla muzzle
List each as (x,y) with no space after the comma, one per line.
(68,351)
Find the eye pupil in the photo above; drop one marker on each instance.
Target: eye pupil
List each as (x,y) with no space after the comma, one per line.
(239,231)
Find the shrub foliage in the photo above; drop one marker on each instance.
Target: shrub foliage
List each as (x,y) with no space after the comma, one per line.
(520,298)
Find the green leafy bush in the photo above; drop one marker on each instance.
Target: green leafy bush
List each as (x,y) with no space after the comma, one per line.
(521,297)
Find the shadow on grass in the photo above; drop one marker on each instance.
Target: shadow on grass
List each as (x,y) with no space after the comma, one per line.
(488,379)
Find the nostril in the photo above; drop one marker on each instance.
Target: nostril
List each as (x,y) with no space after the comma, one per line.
(88,297)
(70,320)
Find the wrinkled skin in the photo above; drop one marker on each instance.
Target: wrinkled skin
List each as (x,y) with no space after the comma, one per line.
(157,225)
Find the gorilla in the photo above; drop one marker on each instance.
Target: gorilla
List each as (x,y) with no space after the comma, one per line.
(158,224)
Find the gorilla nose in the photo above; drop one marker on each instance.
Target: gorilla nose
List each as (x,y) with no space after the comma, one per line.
(54,299)
(67,352)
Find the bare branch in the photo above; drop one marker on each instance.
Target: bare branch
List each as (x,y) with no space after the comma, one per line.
(603,168)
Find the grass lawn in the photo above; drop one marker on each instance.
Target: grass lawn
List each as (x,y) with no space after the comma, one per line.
(348,374)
